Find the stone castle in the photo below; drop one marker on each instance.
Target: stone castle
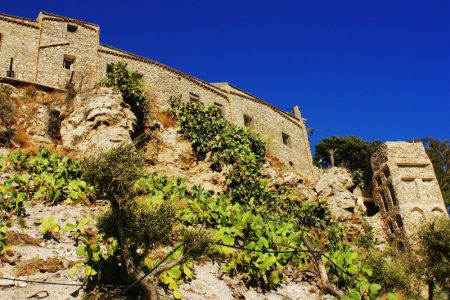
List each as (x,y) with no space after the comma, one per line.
(54,50)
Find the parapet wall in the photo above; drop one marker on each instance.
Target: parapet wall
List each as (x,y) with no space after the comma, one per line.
(405,189)
(55,50)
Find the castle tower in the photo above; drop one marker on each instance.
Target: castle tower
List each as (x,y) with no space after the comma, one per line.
(405,189)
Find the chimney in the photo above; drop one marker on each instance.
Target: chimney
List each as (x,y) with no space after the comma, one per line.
(297,113)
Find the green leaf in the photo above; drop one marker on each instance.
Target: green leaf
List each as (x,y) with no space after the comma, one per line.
(375,288)
(174,273)
(392,296)
(177,295)
(81,250)
(367,269)
(72,271)
(352,269)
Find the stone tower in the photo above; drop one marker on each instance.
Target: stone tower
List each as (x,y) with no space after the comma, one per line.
(405,189)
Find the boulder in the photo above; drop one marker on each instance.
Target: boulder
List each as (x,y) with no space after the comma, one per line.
(98,122)
(333,186)
(333,180)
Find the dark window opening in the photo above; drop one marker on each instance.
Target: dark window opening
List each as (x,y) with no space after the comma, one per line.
(399,221)
(10,72)
(72,28)
(372,209)
(137,75)
(286,139)
(379,182)
(194,97)
(68,61)
(392,192)
(383,198)
(109,68)
(291,164)
(248,121)
(220,108)
(391,228)
(386,172)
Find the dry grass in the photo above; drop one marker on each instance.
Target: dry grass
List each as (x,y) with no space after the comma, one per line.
(17,238)
(166,120)
(35,265)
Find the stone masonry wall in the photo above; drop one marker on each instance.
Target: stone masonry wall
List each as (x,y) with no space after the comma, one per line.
(19,40)
(56,42)
(271,123)
(405,189)
(40,47)
(162,80)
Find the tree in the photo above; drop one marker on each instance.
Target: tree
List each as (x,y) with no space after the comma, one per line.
(113,173)
(432,256)
(439,153)
(350,151)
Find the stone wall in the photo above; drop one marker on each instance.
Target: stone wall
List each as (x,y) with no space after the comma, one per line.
(162,80)
(19,39)
(58,43)
(285,135)
(40,47)
(405,189)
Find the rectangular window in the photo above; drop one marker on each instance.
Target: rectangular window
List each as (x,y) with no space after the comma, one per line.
(248,121)
(286,139)
(220,108)
(72,28)
(137,75)
(68,61)
(194,97)
(109,68)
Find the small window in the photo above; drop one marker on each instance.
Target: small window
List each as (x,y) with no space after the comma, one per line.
(137,75)
(286,139)
(220,108)
(391,228)
(399,221)
(248,121)
(194,97)
(291,164)
(68,61)
(72,28)
(109,68)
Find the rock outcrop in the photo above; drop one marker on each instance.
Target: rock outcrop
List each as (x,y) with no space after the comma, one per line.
(334,186)
(99,121)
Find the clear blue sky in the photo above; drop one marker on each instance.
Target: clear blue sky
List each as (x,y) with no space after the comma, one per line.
(375,69)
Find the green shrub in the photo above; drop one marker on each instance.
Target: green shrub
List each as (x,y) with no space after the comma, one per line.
(6,113)
(390,272)
(130,85)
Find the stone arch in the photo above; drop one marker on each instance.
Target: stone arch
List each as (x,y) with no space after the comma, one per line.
(416,215)
(437,211)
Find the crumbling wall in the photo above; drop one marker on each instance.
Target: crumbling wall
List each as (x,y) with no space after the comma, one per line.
(405,189)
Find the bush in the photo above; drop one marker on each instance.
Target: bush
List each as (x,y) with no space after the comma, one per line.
(113,172)
(390,272)
(131,85)
(6,114)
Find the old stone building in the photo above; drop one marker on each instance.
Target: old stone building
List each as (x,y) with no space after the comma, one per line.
(54,50)
(405,189)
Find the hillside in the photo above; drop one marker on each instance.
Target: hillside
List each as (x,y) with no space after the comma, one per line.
(98,189)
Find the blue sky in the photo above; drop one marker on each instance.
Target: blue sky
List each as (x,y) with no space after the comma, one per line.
(375,69)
